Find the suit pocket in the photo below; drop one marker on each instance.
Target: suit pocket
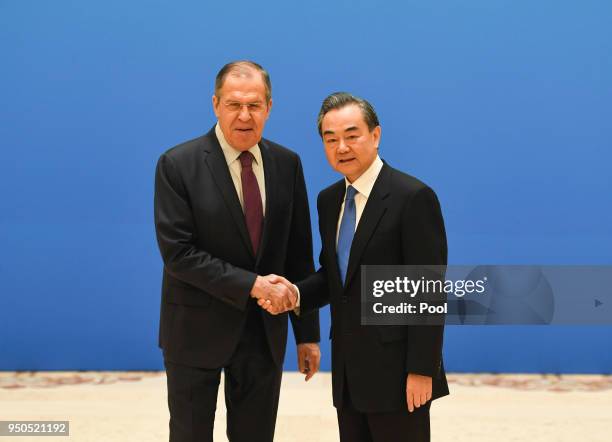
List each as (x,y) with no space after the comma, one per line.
(186,296)
(390,333)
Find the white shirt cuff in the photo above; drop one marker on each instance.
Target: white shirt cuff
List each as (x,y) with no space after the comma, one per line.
(297,304)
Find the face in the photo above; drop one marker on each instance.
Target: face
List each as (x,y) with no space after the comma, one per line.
(350,146)
(242,109)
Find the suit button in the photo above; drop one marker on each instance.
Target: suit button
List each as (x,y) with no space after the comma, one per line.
(344,299)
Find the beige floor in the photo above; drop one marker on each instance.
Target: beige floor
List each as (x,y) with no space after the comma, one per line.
(108,407)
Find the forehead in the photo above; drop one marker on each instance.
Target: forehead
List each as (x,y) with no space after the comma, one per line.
(244,85)
(338,120)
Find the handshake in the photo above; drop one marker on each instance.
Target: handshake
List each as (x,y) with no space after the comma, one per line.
(274,294)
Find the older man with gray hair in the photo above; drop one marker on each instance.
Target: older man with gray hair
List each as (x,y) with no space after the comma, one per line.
(230,207)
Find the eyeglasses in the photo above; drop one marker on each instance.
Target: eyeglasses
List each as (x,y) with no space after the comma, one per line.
(252,108)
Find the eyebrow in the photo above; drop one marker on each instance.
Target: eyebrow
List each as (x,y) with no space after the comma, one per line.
(247,102)
(331,132)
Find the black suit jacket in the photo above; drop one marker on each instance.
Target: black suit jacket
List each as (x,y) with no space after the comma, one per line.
(209,264)
(401,225)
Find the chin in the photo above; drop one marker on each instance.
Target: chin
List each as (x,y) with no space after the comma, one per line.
(243,144)
(348,170)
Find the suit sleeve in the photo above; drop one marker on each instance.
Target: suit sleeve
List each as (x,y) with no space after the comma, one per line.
(314,290)
(424,240)
(299,262)
(175,229)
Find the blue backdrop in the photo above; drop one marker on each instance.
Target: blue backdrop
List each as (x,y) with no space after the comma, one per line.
(503,107)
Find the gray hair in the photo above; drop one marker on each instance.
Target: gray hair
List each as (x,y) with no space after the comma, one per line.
(338,100)
(242,67)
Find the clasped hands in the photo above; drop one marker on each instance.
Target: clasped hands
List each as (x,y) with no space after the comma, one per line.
(274,294)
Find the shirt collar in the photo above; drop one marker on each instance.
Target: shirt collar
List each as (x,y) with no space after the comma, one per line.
(232,154)
(365,182)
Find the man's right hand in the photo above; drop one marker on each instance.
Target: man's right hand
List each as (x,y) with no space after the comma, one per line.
(273,296)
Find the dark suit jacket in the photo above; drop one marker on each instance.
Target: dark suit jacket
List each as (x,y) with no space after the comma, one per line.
(401,224)
(209,264)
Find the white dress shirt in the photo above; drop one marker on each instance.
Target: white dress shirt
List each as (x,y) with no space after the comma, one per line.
(363,185)
(233,162)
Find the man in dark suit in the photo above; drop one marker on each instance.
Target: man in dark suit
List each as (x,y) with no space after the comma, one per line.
(383,376)
(231,206)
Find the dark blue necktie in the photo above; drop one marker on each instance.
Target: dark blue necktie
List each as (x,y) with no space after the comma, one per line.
(346,232)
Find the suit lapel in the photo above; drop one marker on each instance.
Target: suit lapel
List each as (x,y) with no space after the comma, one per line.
(215,160)
(271,178)
(332,212)
(372,213)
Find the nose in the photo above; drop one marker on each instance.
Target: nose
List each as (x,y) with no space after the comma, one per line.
(244,114)
(342,147)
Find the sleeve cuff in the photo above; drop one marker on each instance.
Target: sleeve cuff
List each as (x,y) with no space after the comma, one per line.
(296,310)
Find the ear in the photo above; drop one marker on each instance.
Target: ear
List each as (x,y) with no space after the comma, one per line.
(215,103)
(376,134)
(269,108)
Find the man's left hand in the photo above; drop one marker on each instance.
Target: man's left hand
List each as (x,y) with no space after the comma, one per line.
(418,390)
(309,358)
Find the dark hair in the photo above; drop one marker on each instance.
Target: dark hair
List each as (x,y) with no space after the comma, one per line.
(338,100)
(242,67)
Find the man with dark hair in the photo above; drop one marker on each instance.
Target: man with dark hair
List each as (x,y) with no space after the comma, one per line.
(383,377)
(231,206)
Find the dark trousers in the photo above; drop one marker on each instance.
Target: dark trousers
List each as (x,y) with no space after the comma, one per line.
(400,426)
(252,387)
